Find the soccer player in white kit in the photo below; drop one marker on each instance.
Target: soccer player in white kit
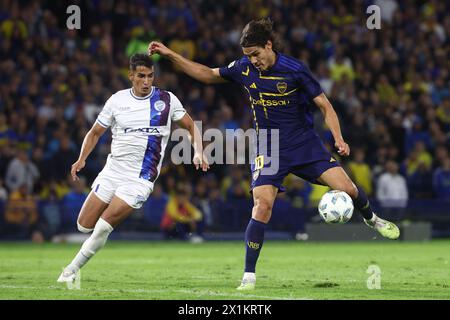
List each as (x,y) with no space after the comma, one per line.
(140,119)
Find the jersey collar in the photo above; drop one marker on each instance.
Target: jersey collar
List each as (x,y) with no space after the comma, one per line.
(142,98)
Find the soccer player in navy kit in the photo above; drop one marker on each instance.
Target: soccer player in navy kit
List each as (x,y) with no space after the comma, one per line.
(282,92)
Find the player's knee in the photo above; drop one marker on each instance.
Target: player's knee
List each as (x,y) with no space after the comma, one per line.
(263,207)
(83,229)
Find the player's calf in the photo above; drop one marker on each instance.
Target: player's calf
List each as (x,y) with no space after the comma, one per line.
(92,209)
(90,247)
(362,203)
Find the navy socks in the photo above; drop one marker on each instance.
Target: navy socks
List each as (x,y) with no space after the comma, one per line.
(254,238)
(362,204)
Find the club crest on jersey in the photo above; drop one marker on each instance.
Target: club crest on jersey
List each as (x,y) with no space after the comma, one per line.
(160,105)
(281,86)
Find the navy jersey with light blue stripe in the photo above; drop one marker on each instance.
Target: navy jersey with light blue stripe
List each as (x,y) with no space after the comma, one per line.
(281,97)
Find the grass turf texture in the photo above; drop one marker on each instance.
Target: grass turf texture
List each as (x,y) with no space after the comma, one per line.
(173,270)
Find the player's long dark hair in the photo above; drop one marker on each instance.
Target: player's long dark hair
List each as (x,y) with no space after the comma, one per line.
(258,32)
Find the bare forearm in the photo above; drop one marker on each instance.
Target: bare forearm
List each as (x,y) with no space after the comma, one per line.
(193,69)
(196,139)
(329,115)
(332,121)
(89,143)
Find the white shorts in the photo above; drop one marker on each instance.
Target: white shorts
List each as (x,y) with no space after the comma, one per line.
(134,191)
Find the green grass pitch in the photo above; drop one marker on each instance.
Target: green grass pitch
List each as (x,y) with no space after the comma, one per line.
(212,270)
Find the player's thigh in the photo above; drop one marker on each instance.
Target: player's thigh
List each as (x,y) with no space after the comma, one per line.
(337,179)
(91,210)
(129,196)
(263,198)
(117,211)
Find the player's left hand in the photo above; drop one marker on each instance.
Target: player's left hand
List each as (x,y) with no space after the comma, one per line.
(343,148)
(200,161)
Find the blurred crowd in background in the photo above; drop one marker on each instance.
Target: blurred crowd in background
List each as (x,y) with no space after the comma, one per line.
(390,88)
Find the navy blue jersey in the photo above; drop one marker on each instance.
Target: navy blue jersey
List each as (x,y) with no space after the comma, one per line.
(281,97)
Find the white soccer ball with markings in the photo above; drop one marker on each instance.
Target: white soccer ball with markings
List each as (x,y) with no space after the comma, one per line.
(336,207)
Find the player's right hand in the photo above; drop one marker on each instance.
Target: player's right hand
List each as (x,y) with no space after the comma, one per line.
(76,167)
(343,148)
(158,47)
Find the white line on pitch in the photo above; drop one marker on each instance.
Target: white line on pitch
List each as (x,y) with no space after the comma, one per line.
(193,292)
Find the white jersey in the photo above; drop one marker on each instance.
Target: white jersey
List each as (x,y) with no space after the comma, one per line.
(140,129)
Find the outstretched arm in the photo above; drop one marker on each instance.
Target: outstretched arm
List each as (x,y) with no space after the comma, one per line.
(332,122)
(195,70)
(199,160)
(89,143)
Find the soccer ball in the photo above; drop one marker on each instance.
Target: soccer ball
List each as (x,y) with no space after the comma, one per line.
(336,207)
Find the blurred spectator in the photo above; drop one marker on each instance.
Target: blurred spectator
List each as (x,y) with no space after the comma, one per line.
(441,180)
(439,92)
(388,8)
(441,155)
(341,67)
(323,76)
(417,157)
(297,191)
(443,113)
(6,133)
(3,191)
(21,215)
(53,187)
(155,206)
(398,133)
(141,36)
(21,172)
(72,203)
(63,159)
(181,219)
(216,204)
(235,185)
(415,86)
(227,118)
(420,182)
(317,191)
(358,136)
(392,189)
(386,91)
(417,134)
(201,201)
(360,171)
(51,212)
(183,45)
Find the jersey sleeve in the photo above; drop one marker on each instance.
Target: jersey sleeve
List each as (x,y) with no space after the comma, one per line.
(105,117)
(308,83)
(178,110)
(232,72)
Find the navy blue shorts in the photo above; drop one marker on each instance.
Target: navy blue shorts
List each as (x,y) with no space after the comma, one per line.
(307,161)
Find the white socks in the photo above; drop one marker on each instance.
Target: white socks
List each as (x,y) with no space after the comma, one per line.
(94,243)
